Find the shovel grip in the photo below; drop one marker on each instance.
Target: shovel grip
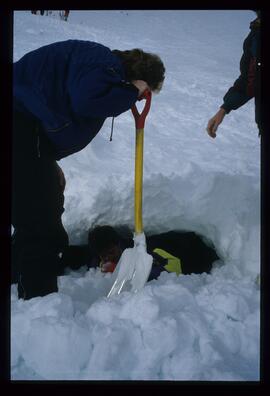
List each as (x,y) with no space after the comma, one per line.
(140,118)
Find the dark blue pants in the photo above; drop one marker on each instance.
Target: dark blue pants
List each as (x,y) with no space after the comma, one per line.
(37,207)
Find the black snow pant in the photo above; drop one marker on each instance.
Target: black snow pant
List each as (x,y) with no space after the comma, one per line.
(37,206)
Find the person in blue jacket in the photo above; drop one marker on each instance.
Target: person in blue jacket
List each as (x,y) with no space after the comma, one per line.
(247,85)
(62,94)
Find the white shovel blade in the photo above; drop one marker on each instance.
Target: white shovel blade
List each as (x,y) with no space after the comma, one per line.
(134,265)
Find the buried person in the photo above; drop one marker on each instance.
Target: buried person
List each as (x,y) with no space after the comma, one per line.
(179,252)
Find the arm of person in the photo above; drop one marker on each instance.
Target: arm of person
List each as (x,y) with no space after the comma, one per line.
(236,96)
(214,122)
(100,93)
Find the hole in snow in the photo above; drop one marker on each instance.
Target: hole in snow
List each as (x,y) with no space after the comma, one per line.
(195,254)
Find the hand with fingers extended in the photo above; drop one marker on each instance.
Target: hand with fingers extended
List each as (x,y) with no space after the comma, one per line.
(214,122)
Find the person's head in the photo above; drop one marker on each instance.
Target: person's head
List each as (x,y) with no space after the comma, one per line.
(140,65)
(105,242)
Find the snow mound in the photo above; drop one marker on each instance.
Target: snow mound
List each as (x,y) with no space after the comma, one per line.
(191,327)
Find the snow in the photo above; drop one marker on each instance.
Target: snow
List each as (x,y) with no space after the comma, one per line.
(191,327)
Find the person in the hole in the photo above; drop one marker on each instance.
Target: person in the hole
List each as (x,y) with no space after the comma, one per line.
(179,252)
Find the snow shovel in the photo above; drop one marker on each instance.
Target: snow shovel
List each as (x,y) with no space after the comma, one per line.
(135,263)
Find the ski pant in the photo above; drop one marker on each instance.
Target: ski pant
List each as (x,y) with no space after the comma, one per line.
(37,207)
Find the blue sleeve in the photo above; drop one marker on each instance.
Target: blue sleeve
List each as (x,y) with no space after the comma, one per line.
(100,93)
(237,95)
(234,99)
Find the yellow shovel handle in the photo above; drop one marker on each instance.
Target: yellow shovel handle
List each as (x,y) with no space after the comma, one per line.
(138,181)
(139,121)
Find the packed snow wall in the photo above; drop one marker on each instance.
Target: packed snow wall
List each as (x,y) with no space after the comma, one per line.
(206,203)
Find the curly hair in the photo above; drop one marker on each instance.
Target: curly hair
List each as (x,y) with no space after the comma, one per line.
(140,65)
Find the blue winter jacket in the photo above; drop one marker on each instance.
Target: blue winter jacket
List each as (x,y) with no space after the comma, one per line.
(71,87)
(248,84)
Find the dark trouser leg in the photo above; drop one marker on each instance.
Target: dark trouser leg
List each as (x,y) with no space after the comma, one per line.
(37,206)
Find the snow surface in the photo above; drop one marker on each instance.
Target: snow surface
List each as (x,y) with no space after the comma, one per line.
(191,327)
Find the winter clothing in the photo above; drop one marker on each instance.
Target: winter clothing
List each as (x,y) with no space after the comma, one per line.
(248,84)
(71,87)
(173,263)
(196,257)
(62,93)
(78,256)
(179,252)
(37,206)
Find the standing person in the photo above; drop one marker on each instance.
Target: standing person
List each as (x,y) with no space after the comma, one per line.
(247,85)
(66,14)
(63,92)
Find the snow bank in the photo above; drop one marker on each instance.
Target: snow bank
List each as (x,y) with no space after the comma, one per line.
(192,327)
